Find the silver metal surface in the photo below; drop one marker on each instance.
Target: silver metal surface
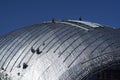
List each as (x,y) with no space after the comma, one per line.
(64,50)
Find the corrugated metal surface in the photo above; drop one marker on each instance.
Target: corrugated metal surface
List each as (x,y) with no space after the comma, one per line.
(67,50)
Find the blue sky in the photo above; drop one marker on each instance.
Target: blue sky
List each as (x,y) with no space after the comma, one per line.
(15,14)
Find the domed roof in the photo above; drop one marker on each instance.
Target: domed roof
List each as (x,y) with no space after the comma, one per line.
(60,50)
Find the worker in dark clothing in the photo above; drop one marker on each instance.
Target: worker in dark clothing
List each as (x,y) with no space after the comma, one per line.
(38,51)
(53,20)
(32,50)
(80,18)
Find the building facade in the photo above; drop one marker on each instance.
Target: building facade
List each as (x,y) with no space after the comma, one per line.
(61,50)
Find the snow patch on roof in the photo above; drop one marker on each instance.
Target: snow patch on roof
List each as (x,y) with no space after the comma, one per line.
(75,25)
(94,25)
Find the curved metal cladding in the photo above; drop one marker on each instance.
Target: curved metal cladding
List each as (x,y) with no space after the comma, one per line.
(68,50)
